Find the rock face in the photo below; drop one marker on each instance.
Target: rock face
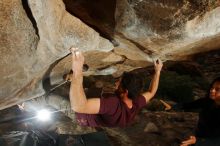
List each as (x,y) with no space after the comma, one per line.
(33,36)
(115,36)
(18,52)
(169,29)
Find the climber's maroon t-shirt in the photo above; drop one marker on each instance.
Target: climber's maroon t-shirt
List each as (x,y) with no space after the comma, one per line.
(113,112)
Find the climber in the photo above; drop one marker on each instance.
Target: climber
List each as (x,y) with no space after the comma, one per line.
(117,110)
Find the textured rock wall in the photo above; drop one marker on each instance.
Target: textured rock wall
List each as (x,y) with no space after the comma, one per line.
(18,49)
(33,36)
(116,36)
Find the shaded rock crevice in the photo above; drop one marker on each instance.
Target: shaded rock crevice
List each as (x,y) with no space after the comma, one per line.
(30,16)
(97,14)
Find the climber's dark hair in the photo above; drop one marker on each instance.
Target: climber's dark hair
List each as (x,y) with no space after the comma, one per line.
(132,83)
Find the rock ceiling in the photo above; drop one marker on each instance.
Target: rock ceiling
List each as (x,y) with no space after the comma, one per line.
(115,36)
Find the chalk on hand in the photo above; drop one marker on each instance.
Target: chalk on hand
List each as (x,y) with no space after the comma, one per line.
(74,50)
